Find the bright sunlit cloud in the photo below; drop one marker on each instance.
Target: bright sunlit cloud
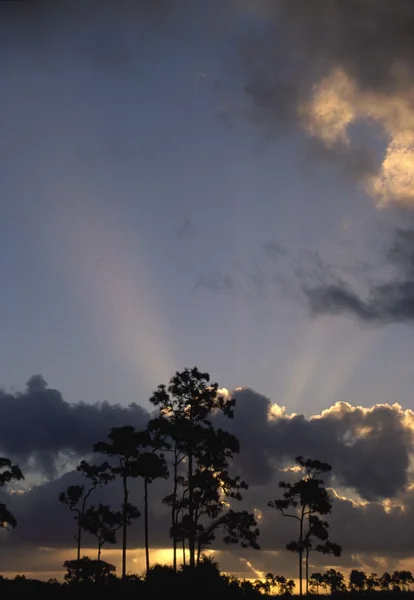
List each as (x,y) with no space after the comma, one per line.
(337,103)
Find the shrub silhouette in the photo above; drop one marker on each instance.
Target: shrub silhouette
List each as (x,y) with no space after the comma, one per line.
(88,571)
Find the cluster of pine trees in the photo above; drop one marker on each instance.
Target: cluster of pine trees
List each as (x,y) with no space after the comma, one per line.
(359,582)
(180,443)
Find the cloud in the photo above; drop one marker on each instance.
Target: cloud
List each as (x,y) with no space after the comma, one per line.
(325,68)
(385,302)
(329,67)
(356,440)
(370,450)
(271,265)
(337,104)
(41,426)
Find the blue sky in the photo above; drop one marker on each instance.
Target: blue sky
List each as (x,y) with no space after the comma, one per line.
(191,182)
(134,183)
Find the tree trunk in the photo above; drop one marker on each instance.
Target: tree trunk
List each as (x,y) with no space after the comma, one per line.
(99,550)
(174,515)
(79,536)
(80,520)
(191,536)
(184,552)
(124,526)
(81,515)
(308,549)
(301,554)
(147,559)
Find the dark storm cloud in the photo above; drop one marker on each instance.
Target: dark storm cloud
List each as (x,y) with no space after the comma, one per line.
(369,450)
(389,302)
(40,424)
(366,38)
(386,303)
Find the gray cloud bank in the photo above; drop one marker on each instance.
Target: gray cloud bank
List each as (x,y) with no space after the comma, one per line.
(389,301)
(41,426)
(370,451)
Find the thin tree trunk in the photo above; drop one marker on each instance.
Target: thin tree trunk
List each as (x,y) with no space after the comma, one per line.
(174,515)
(80,520)
(79,536)
(147,558)
(183,552)
(124,526)
(308,549)
(191,536)
(301,554)
(78,541)
(99,550)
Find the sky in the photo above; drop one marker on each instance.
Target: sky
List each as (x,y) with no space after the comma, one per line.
(227,184)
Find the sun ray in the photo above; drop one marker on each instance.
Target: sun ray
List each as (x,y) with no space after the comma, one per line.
(110,273)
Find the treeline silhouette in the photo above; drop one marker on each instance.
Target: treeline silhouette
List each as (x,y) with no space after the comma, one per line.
(183,445)
(204,581)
